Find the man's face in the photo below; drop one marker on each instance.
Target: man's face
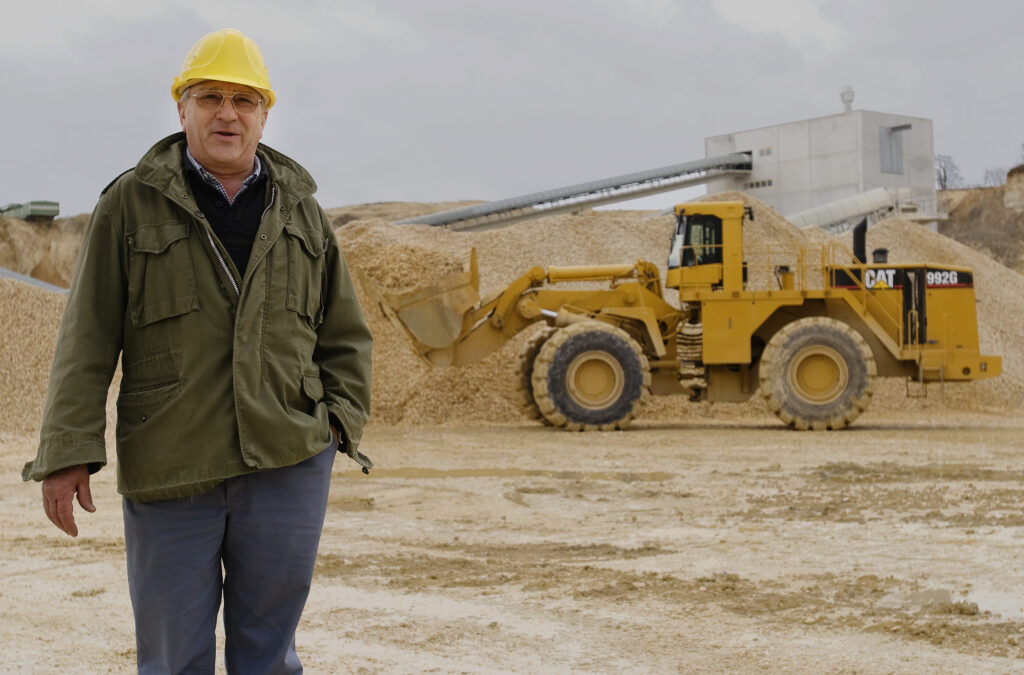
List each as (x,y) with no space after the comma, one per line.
(222,140)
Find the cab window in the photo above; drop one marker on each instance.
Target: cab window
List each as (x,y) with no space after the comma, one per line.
(697,241)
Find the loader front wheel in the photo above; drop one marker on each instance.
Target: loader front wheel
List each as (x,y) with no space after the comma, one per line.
(590,376)
(817,373)
(527,402)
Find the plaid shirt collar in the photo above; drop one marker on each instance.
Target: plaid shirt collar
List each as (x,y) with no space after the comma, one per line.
(212,181)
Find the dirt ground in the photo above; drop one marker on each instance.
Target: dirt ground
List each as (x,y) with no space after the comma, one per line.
(702,540)
(718,546)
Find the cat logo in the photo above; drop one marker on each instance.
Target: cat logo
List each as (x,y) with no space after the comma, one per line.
(880,279)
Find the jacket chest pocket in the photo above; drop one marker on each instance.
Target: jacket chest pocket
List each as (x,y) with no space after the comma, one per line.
(306,253)
(161,274)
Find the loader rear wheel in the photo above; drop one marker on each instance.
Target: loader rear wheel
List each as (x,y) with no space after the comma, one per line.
(817,373)
(590,376)
(524,365)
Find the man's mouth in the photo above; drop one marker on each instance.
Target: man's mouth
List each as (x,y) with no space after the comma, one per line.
(224,134)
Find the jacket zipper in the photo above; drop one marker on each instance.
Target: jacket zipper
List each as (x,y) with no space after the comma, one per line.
(273,193)
(223,265)
(220,259)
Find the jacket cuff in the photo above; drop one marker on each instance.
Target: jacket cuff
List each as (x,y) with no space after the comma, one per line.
(349,423)
(345,417)
(60,453)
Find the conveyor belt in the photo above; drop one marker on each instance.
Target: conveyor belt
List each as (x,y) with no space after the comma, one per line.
(570,198)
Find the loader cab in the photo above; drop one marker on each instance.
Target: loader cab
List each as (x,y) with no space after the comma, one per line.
(706,251)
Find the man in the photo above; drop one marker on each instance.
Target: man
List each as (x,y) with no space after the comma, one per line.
(215,277)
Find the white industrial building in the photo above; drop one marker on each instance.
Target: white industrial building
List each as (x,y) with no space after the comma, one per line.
(807,167)
(829,171)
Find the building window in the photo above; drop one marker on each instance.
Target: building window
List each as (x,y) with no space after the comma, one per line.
(890,146)
(764,152)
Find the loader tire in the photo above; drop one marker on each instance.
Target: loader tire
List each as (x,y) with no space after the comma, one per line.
(527,356)
(817,373)
(590,376)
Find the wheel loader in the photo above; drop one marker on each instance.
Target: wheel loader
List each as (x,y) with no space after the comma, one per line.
(809,327)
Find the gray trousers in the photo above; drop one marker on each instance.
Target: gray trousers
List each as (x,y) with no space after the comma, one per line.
(253,540)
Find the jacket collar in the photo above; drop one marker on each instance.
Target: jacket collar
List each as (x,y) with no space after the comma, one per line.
(161,168)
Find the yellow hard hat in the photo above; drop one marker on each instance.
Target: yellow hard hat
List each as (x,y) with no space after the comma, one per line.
(228,56)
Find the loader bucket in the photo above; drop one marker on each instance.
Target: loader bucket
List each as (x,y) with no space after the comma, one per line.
(430,314)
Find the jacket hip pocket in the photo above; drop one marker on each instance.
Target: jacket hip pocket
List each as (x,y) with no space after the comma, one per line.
(311,394)
(147,399)
(136,408)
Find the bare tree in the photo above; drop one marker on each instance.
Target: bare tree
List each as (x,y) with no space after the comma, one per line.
(947,173)
(995,176)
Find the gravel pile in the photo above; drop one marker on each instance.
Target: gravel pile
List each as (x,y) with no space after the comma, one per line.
(43,250)
(27,339)
(406,390)
(401,256)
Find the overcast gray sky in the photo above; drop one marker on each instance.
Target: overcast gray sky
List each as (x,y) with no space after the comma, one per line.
(438,100)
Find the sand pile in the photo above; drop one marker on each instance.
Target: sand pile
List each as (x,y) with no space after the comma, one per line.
(987,219)
(42,250)
(407,390)
(390,211)
(31,317)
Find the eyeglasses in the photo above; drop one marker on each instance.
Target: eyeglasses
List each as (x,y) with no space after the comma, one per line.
(213,99)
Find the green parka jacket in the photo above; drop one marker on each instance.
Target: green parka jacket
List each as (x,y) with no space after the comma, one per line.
(216,382)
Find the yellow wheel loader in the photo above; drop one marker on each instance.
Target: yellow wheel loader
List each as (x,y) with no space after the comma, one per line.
(810,327)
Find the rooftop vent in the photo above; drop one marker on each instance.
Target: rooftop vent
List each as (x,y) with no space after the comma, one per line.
(846,94)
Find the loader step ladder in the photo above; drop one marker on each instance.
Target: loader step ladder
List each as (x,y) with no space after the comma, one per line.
(574,197)
(934,371)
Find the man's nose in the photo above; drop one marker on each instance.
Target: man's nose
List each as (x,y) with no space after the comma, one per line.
(227,108)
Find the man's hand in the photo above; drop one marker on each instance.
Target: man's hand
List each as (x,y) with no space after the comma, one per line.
(59,490)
